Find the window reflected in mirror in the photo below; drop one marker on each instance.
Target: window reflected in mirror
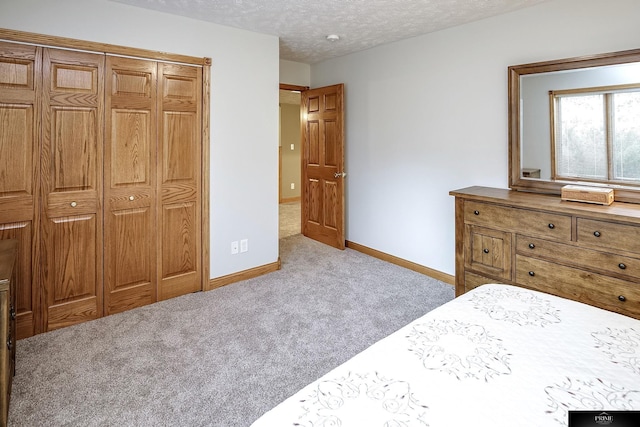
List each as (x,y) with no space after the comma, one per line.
(595,134)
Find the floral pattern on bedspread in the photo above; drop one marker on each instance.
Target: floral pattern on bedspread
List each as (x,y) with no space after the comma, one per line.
(622,346)
(389,400)
(496,356)
(589,395)
(460,349)
(517,306)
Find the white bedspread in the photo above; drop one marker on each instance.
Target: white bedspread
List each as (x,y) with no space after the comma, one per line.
(496,356)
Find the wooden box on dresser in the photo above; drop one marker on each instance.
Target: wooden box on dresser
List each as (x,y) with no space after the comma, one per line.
(8,250)
(585,252)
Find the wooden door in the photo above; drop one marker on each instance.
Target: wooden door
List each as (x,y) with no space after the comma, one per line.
(129,184)
(179,175)
(19,172)
(71,180)
(323,165)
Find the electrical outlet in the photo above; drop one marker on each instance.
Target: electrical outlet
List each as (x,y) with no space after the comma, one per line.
(293,185)
(244,245)
(293,147)
(234,247)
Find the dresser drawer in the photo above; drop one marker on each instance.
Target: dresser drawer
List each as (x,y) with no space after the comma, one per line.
(624,237)
(596,260)
(537,223)
(489,251)
(591,288)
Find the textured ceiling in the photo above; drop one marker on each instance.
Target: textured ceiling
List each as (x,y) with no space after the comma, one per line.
(302,25)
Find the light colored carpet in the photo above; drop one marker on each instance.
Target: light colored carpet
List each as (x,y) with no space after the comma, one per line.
(290,219)
(223,357)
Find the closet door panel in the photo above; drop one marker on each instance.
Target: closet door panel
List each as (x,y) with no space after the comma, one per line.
(71,180)
(25,298)
(16,139)
(179,147)
(179,250)
(74,132)
(130,181)
(179,266)
(19,174)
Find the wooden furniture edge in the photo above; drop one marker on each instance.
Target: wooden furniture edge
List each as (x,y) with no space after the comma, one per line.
(243,275)
(65,42)
(618,211)
(443,277)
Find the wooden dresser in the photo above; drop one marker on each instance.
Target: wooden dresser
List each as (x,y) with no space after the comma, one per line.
(585,252)
(7,324)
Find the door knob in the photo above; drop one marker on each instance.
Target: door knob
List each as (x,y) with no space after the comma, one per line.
(73,204)
(339,174)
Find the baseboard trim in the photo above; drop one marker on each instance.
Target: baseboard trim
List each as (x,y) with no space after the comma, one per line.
(443,277)
(243,275)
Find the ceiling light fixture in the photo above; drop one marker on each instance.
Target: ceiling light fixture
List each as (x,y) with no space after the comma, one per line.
(333,37)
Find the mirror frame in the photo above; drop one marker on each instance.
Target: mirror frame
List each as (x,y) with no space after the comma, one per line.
(516,181)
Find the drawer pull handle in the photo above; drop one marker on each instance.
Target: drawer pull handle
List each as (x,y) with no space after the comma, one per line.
(476,212)
(131,198)
(532,273)
(551,226)
(531,246)
(622,298)
(596,233)
(74,204)
(622,266)
(486,251)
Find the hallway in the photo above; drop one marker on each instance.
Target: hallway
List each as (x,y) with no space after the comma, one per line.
(290,219)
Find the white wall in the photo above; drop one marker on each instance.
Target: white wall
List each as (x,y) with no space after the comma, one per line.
(428,115)
(295,73)
(244,108)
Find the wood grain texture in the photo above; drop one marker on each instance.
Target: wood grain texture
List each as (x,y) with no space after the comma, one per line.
(579,284)
(22,234)
(594,259)
(55,41)
(611,263)
(54,126)
(179,259)
(20,172)
(71,184)
(130,185)
(488,251)
(204,174)
(322,134)
(8,253)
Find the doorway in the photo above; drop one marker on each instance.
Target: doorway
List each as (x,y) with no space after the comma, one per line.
(321,131)
(289,182)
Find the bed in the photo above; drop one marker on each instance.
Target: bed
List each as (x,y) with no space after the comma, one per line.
(498,355)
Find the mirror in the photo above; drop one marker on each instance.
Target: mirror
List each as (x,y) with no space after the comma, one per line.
(533,127)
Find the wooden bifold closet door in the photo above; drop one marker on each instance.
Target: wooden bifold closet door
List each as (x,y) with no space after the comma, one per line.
(130,184)
(71,186)
(100,181)
(180,193)
(152,182)
(20,171)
